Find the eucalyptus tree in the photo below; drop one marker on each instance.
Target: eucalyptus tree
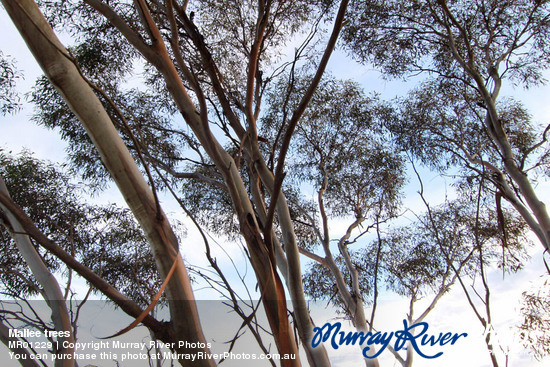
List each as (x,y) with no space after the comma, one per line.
(339,151)
(350,171)
(208,63)
(422,261)
(196,126)
(49,286)
(470,51)
(105,240)
(452,243)
(472,238)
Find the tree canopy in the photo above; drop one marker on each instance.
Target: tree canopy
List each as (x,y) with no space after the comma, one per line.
(230,109)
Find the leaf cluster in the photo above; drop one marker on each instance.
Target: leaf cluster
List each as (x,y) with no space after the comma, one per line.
(339,145)
(142,120)
(535,328)
(105,238)
(404,37)
(443,125)
(319,283)
(454,237)
(9,99)
(229,29)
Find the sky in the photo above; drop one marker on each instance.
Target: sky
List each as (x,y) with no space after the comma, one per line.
(452,314)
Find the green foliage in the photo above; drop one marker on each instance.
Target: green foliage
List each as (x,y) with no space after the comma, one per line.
(210,204)
(229,27)
(149,121)
(535,328)
(418,259)
(339,139)
(340,136)
(144,116)
(449,131)
(100,48)
(460,45)
(439,131)
(105,238)
(319,282)
(9,99)
(416,35)
(344,158)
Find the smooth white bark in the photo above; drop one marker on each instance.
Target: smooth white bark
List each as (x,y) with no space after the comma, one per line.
(50,287)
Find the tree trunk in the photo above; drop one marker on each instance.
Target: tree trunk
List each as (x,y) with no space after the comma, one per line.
(273,295)
(50,288)
(64,75)
(317,356)
(127,305)
(498,135)
(25,360)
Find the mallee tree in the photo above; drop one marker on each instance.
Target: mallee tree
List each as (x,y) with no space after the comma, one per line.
(471,51)
(269,149)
